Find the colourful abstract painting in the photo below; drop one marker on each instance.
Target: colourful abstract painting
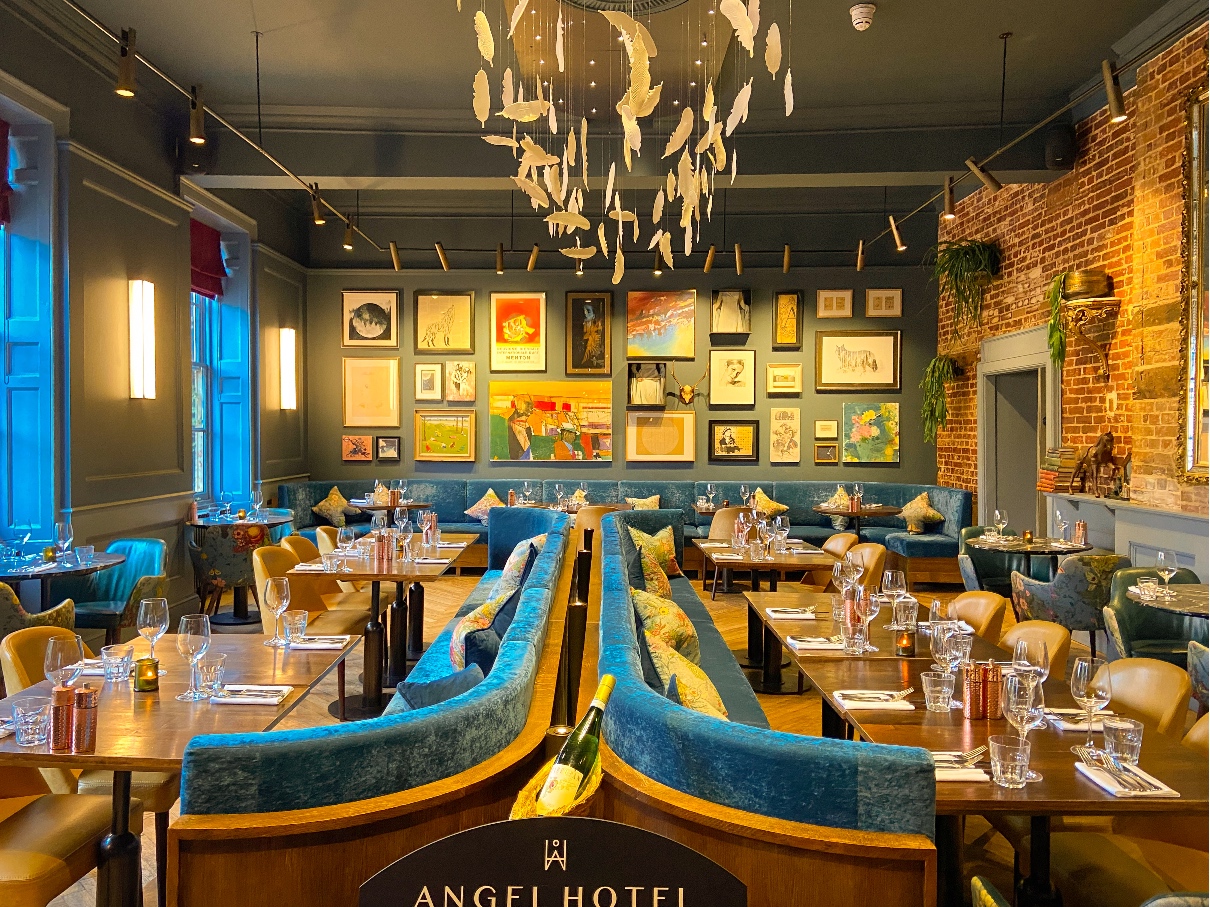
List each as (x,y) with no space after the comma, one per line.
(659,325)
(518,342)
(871,432)
(551,420)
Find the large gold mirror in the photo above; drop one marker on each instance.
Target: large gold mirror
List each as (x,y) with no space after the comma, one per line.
(1195,408)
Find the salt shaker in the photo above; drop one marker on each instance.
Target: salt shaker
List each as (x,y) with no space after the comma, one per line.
(61,719)
(84,721)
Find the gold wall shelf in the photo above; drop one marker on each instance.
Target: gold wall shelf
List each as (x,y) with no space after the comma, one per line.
(1077,314)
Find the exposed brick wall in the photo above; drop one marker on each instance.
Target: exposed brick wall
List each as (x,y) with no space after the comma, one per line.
(1120,210)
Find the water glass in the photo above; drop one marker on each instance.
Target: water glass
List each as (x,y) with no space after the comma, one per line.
(331,562)
(958,651)
(756,550)
(904,611)
(116,661)
(31,715)
(837,607)
(853,637)
(1149,588)
(84,555)
(938,690)
(294,624)
(210,673)
(1123,738)
(1010,760)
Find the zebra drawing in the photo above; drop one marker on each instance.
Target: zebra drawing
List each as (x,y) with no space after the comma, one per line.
(859,361)
(441,328)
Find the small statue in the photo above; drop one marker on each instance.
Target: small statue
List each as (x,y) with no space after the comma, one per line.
(1088,467)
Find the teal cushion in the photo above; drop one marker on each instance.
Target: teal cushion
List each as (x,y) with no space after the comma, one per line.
(410,696)
(504,617)
(482,646)
(650,675)
(673,694)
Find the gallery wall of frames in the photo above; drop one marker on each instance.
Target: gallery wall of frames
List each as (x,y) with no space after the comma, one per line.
(808,374)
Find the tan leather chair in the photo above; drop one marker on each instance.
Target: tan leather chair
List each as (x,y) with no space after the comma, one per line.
(325,541)
(722,525)
(1056,637)
(982,610)
(871,556)
(302,547)
(21,659)
(1198,737)
(1153,691)
(838,546)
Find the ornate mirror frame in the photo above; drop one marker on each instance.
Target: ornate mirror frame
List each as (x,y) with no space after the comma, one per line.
(1194,413)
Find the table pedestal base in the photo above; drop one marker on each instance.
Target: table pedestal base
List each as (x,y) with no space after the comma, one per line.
(1035,890)
(239,616)
(119,863)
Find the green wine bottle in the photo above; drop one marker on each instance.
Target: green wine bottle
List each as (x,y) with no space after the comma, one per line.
(570,772)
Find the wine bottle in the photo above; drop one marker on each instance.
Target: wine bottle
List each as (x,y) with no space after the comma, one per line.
(569,774)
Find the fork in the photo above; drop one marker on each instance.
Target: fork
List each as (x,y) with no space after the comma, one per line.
(1093,759)
(1125,770)
(969,758)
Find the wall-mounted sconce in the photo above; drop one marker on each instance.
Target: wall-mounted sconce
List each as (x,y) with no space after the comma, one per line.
(142,340)
(289,369)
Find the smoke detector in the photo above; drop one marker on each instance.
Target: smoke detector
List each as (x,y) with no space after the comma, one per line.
(863,15)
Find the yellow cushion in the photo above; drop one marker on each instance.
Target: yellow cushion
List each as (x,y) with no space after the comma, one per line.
(665,619)
(157,791)
(661,546)
(918,512)
(695,689)
(480,509)
(765,504)
(479,619)
(1095,870)
(653,575)
(651,503)
(839,500)
(334,508)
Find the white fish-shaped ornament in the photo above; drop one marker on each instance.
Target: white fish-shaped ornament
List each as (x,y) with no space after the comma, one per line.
(481,100)
(619,266)
(524,111)
(657,210)
(506,88)
(737,15)
(629,28)
(569,155)
(609,184)
(789,91)
(569,220)
(584,151)
(580,254)
(559,41)
(552,120)
(655,240)
(739,109)
(501,140)
(518,12)
(708,104)
(670,186)
(680,134)
(666,249)
(483,34)
(533,190)
(773,50)
(601,237)
(754,15)
(535,155)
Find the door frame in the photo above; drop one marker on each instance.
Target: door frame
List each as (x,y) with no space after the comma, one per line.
(1022,351)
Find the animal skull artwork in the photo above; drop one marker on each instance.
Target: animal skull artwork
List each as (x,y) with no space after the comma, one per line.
(687,393)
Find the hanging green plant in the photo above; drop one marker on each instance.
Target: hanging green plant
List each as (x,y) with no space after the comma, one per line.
(1055,338)
(963,268)
(933,412)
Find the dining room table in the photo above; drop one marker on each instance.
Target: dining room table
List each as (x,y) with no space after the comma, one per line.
(1185,599)
(863,511)
(149,731)
(719,555)
(64,565)
(209,521)
(1052,549)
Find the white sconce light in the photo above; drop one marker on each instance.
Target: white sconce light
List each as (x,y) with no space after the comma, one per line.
(289,381)
(142,340)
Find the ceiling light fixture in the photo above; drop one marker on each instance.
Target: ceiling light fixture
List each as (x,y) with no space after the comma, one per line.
(739,260)
(499,258)
(197,116)
(592,84)
(697,62)
(861,255)
(900,245)
(592,62)
(658,269)
(1113,91)
(445,262)
(317,210)
(533,258)
(948,212)
(986,178)
(126,65)
(398,265)
(785,259)
(579,268)
(348,240)
(709,260)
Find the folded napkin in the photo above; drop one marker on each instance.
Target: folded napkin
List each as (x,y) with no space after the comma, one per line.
(451,544)
(852,701)
(956,773)
(791,613)
(7,726)
(320,642)
(813,644)
(923,627)
(1073,720)
(1104,780)
(727,557)
(432,560)
(716,545)
(309,568)
(241,694)
(92,667)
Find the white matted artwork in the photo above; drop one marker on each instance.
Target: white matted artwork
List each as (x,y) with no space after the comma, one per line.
(827,429)
(785,435)
(460,381)
(833,303)
(783,378)
(371,392)
(732,378)
(856,360)
(884,303)
(661,437)
(428,380)
(371,318)
(730,312)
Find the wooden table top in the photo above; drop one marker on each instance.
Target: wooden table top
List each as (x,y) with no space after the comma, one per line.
(1188,599)
(396,570)
(864,510)
(149,731)
(1016,545)
(101,560)
(210,521)
(374,508)
(1062,789)
(812,557)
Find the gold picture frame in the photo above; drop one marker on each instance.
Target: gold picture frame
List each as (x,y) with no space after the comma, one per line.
(370,392)
(444,435)
(668,437)
(887,303)
(833,303)
(827,453)
(787,320)
(783,378)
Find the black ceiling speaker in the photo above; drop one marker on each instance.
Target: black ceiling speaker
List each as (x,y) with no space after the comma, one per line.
(194,159)
(1061,147)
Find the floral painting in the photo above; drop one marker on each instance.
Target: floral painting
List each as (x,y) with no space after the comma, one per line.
(871,432)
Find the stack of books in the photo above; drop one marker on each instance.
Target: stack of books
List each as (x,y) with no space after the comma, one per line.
(1057,469)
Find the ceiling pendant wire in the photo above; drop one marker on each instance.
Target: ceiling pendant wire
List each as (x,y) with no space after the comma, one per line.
(260,126)
(1003,82)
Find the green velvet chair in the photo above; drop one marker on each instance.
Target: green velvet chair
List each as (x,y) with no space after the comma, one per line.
(1139,631)
(1077,596)
(983,569)
(109,599)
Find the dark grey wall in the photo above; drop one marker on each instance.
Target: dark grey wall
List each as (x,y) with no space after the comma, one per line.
(281,296)
(323,366)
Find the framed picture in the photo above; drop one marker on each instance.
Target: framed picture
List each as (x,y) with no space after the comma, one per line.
(428,380)
(370,318)
(785,426)
(827,429)
(783,378)
(518,341)
(551,420)
(460,381)
(371,392)
(659,324)
(884,303)
(445,434)
(588,332)
(645,383)
(827,453)
(444,322)
(787,320)
(833,303)
(668,437)
(388,447)
(734,441)
(732,378)
(356,448)
(871,432)
(731,312)
(856,360)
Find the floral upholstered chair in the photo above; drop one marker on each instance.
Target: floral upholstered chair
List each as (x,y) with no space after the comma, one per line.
(1199,675)
(222,559)
(13,617)
(1075,598)
(985,894)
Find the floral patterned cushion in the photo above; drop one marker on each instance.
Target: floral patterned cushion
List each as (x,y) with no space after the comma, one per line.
(651,503)
(694,689)
(654,577)
(984,894)
(334,508)
(765,504)
(13,617)
(664,619)
(479,510)
(514,567)
(1199,669)
(918,512)
(1076,598)
(839,500)
(661,546)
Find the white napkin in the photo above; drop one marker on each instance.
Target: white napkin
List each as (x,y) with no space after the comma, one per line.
(954,773)
(923,627)
(791,613)
(716,545)
(309,568)
(1072,720)
(853,705)
(432,560)
(91,667)
(727,557)
(308,643)
(7,727)
(1104,780)
(813,644)
(251,694)
(451,544)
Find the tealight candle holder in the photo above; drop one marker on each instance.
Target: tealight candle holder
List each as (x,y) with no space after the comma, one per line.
(146,675)
(905,643)
(1027,536)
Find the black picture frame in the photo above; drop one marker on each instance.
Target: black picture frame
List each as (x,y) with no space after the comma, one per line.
(863,360)
(652,372)
(722,450)
(579,342)
(787,333)
(383,452)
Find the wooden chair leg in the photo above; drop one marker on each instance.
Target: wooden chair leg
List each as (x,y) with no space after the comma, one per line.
(340,687)
(161,858)
(714,585)
(113,636)
(1092,642)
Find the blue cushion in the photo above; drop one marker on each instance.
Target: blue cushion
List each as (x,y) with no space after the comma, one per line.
(447,497)
(411,695)
(673,694)
(801,497)
(879,534)
(673,496)
(650,675)
(504,617)
(927,544)
(482,646)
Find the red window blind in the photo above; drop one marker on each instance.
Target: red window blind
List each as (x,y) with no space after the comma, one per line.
(206,260)
(6,191)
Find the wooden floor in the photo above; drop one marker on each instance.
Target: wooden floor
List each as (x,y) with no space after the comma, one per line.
(987,854)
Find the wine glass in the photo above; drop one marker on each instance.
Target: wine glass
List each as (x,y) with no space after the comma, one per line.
(1000,520)
(403,491)
(1031,656)
(939,637)
(868,606)
(958,648)
(1060,525)
(527,491)
(1165,566)
(258,501)
(1016,700)
(192,641)
(225,500)
(345,538)
(64,659)
(1091,688)
(584,491)
(277,600)
(64,536)
(894,584)
(858,491)
(401,517)
(153,621)
(743,495)
(853,569)
(938,613)
(559,494)
(838,576)
(406,531)
(1037,718)
(711,491)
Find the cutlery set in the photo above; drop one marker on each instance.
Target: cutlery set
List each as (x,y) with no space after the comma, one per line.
(1116,769)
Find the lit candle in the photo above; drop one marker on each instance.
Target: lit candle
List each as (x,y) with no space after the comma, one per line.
(146,675)
(905,643)
(1027,536)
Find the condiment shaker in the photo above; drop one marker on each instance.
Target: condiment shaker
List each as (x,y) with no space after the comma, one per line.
(61,719)
(84,721)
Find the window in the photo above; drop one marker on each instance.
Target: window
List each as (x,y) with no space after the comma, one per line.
(198,324)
